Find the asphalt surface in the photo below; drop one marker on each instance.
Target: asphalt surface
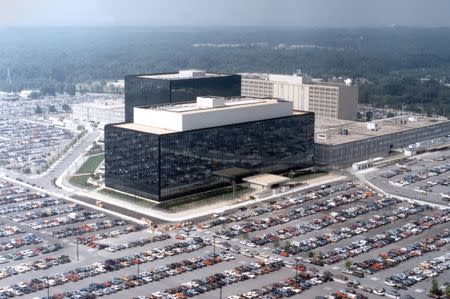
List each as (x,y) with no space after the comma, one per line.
(88,255)
(423,162)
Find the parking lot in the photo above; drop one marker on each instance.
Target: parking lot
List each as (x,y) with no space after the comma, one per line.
(426,177)
(29,146)
(30,141)
(293,246)
(25,108)
(326,228)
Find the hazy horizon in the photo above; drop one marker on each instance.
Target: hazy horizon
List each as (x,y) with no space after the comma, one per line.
(229,14)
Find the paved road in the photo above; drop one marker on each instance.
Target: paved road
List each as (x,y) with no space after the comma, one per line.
(46,180)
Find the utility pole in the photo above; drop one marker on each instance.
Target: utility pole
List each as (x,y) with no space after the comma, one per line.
(78,250)
(138,264)
(48,288)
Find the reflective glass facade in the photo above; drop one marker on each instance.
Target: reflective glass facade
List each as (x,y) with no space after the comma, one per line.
(345,154)
(141,91)
(178,164)
(132,161)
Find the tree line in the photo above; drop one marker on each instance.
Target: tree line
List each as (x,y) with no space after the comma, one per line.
(392,59)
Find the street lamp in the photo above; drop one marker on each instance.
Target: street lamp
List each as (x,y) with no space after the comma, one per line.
(138,264)
(396,292)
(48,288)
(78,241)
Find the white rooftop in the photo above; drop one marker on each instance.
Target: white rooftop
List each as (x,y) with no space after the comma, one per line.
(106,105)
(266,179)
(209,112)
(206,103)
(183,74)
(331,130)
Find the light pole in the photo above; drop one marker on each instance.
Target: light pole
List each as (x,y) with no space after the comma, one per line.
(296,271)
(214,246)
(78,241)
(138,264)
(48,288)
(220,293)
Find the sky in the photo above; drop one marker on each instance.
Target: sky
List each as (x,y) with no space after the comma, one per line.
(269,13)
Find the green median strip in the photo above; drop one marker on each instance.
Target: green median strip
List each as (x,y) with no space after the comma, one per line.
(91,164)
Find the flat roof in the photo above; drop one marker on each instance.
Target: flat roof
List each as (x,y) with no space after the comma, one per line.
(162,131)
(195,107)
(332,128)
(144,129)
(208,112)
(266,179)
(183,74)
(257,76)
(107,105)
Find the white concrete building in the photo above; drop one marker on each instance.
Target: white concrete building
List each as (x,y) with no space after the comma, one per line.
(329,100)
(25,94)
(101,112)
(209,112)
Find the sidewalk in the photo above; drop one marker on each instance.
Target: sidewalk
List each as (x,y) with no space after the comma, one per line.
(189,214)
(363,179)
(62,196)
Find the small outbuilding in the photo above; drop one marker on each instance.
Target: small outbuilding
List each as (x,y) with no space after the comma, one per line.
(266,181)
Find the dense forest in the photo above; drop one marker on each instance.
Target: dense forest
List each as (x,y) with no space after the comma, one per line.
(429,97)
(391,59)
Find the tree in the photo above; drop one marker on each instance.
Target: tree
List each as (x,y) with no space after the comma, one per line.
(348,264)
(71,89)
(245,235)
(291,174)
(447,291)
(276,243)
(34,95)
(66,108)
(52,109)
(311,254)
(435,287)
(48,90)
(38,110)
(390,114)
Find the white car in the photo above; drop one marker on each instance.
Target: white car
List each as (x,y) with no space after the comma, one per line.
(379,292)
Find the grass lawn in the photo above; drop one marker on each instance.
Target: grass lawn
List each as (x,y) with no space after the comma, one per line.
(127,198)
(80,180)
(308,176)
(91,164)
(203,199)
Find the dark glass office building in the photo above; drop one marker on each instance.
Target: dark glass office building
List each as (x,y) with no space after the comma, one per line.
(166,88)
(161,166)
